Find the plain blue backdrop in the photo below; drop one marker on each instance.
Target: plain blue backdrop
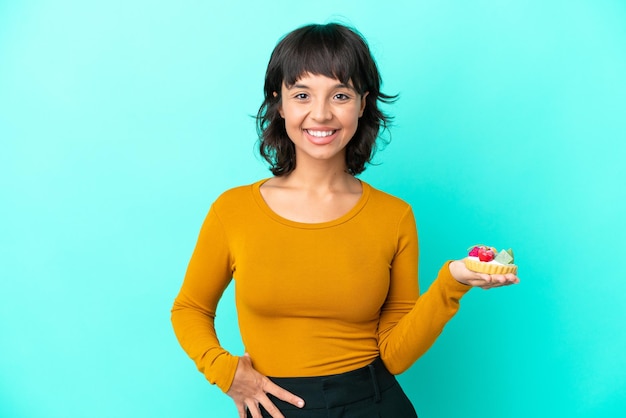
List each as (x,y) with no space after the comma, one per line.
(121,121)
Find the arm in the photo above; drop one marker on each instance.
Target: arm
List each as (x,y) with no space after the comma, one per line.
(410,323)
(208,274)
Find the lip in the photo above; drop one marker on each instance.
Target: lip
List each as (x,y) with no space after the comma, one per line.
(321,139)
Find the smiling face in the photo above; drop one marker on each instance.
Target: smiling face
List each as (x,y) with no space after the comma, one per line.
(321,116)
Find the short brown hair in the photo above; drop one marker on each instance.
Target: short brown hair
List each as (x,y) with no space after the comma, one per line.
(335,51)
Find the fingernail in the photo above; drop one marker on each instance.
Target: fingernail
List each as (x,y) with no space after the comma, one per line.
(300,404)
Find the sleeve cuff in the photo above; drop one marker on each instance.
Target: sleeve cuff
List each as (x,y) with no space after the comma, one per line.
(451,286)
(224,373)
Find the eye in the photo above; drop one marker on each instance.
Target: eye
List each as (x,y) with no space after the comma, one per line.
(342,97)
(301,96)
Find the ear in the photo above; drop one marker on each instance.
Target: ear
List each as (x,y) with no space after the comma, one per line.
(363,102)
(280,106)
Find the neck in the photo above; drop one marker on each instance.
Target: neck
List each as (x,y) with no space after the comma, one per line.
(321,177)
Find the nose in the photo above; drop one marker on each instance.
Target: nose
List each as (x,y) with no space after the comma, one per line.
(321,110)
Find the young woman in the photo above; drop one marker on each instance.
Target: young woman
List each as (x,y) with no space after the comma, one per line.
(325,266)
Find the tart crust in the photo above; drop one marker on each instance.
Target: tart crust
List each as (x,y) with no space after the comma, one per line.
(489,268)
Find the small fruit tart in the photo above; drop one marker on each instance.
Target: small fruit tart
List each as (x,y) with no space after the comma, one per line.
(485,259)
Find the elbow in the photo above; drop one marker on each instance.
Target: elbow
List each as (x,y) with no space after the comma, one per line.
(395,367)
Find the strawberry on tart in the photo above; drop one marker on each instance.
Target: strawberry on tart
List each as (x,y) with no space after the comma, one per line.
(485,259)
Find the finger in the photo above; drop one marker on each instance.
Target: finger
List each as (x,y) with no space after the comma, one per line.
(498,279)
(253,407)
(514,279)
(282,394)
(507,284)
(488,284)
(271,408)
(479,282)
(498,284)
(505,280)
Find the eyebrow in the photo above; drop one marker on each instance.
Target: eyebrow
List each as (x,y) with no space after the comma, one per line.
(336,86)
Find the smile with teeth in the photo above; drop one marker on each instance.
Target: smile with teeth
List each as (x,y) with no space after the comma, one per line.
(320,134)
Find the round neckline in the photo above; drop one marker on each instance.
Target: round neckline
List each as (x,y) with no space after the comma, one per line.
(258,197)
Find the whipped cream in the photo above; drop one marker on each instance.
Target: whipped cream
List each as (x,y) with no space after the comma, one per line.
(487,262)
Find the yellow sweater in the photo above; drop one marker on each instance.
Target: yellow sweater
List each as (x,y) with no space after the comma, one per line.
(312,299)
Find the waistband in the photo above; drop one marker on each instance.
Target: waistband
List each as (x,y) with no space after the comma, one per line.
(339,389)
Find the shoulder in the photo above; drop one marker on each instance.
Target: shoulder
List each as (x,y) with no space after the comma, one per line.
(236,194)
(236,199)
(390,213)
(390,202)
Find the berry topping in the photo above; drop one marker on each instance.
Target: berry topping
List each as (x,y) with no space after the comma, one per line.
(486,254)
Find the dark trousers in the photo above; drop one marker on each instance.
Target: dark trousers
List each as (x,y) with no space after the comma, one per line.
(369,392)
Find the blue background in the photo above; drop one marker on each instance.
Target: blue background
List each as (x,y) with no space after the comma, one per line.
(121,121)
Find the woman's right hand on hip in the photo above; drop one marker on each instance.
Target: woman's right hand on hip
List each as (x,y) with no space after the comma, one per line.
(249,389)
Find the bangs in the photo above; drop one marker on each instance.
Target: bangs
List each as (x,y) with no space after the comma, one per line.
(323,50)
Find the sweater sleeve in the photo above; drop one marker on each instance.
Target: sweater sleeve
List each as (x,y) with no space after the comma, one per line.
(410,323)
(208,274)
